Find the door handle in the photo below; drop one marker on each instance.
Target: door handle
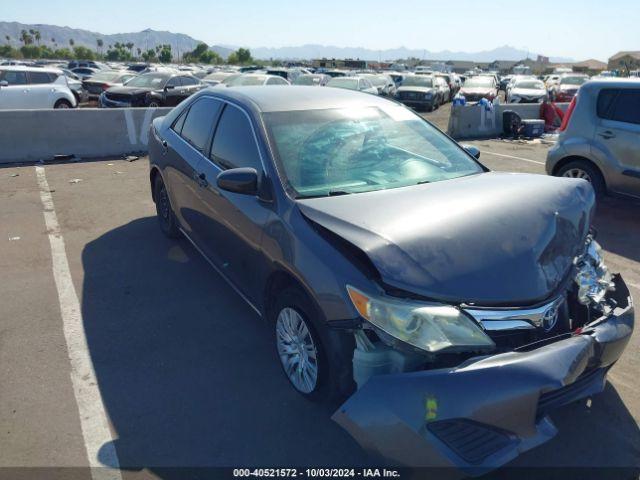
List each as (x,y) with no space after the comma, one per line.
(607,135)
(202,180)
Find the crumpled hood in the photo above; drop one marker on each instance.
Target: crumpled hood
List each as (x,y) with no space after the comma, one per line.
(487,239)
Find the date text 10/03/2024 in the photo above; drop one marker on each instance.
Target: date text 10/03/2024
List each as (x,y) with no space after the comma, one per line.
(316,472)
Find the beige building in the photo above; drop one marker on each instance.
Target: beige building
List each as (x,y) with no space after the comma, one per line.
(625,61)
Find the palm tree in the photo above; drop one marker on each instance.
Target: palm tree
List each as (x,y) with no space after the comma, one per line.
(130,47)
(100,43)
(8,39)
(72,42)
(38,36)
(139,50)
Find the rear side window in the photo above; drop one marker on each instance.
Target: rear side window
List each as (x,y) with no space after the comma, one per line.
(39,77)
(234,145)
(14,78)
(620,105)
(199,122)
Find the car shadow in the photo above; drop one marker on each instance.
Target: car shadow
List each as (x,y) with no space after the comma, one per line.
(187,371)
(617,221)
(189,376)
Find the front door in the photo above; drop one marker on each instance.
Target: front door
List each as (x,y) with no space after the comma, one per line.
(16,94)
(618,131)
(234,221)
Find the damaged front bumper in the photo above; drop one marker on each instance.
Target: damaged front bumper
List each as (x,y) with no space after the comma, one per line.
(484,413)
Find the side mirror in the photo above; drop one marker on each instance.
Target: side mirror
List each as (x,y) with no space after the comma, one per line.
(239,180)
(471,150)
(4,83)
(169,87)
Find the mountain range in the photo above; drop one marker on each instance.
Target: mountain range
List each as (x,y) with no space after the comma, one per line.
(58,37)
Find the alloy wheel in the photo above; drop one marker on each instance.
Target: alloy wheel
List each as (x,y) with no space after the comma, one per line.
(296,350)
(577,173)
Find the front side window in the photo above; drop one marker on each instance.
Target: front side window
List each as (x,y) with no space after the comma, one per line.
(620,105)
(13,78)
(188,81)
(338,151)
(234,145)
(199,122)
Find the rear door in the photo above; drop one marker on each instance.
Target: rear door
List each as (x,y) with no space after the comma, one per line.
(234,222)
(189,86)
(16,94)
(618,131)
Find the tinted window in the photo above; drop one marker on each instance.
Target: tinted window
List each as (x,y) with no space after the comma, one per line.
(605,101)
(14,78)
(276,81)
(199,122)
(173,82)
(188,81)
(39,77)
(627,107)
(234,144)
(179,123)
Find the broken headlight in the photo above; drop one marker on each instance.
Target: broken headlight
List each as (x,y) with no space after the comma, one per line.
(593,277)
(428,326)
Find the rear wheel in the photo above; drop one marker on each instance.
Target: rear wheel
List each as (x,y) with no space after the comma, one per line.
(63,104)
(585,171)
(166,217)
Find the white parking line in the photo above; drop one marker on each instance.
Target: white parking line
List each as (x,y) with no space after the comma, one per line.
(511,156)
(93,419)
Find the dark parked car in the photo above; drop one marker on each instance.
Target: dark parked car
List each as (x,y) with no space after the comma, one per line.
(386,258)
(420,92)
(151,90)
(102,81)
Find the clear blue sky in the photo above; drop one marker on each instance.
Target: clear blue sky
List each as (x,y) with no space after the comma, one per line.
(572,28)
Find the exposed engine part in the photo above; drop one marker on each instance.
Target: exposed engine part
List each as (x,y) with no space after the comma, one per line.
(375,358)
(593,278)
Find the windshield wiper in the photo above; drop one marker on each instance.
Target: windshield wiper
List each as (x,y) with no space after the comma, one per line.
(336,193)
(422,182)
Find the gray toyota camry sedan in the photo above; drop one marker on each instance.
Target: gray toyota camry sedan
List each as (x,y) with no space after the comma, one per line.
(448,307)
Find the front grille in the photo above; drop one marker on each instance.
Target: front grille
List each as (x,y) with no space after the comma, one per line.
(410,95)
(118,97)
(471,441)
(581,388)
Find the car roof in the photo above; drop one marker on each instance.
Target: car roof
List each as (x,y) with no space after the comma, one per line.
(27,68)
(598,83)
(284,98)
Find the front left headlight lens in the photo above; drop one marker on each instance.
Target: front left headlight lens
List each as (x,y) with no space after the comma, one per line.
(428,326)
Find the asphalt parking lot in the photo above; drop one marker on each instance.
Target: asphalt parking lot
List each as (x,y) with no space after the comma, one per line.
(187,372)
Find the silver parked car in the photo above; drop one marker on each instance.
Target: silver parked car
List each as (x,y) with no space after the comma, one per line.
(600,138)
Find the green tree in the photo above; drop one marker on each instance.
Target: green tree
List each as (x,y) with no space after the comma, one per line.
(8,38)
(83,53)
(139,50)
(72,42)
(26,38)
(244,55)
(232,59)
(63,53)
(150,55)
(37,36)
(211,57)
(165,54)
(130,45)
(100,44)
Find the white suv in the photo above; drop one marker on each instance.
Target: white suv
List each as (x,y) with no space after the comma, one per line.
(34,88)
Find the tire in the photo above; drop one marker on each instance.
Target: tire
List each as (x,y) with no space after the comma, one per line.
(585,170)
(63,104)
(166,218)
(328,358)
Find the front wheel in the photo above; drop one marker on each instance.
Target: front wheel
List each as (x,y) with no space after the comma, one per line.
(315,363)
